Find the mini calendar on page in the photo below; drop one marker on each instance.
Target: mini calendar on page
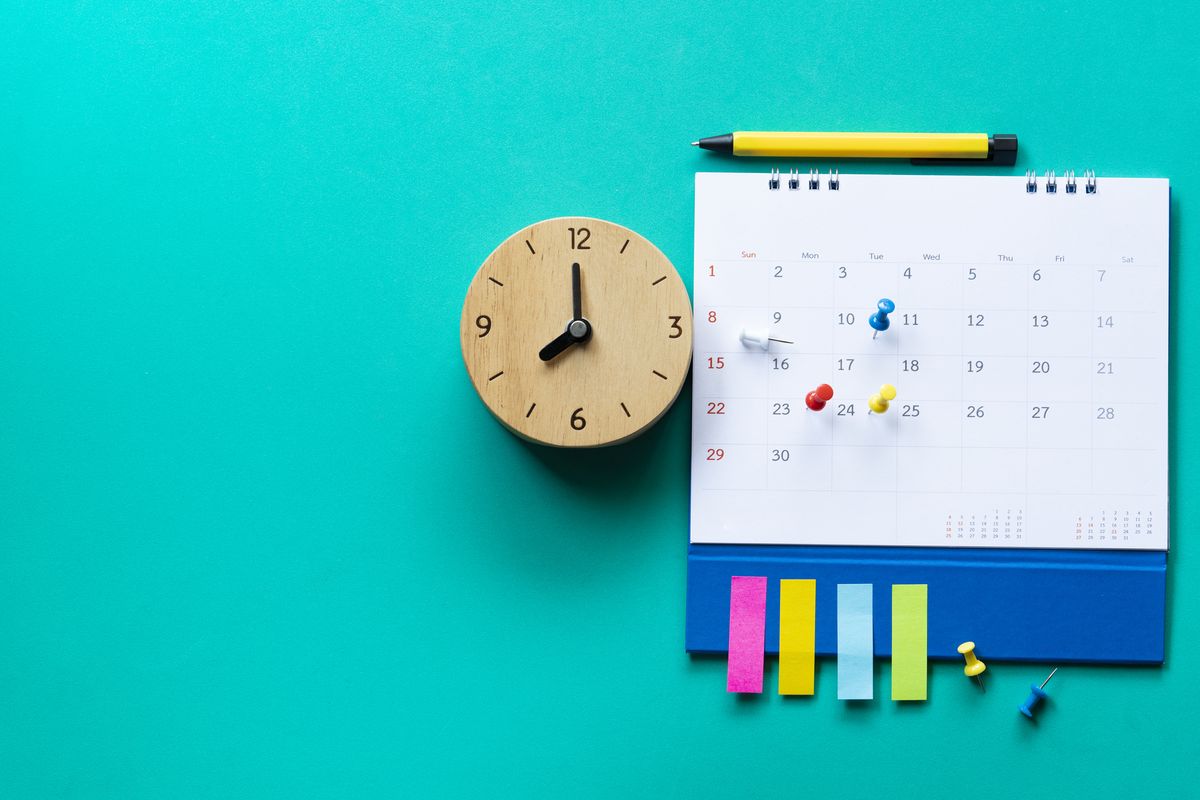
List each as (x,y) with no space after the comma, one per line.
(1025,350)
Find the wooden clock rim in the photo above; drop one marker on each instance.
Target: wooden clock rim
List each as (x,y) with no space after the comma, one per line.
(688,333)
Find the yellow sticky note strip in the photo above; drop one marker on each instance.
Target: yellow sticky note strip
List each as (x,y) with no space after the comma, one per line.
(797,635)
(910,615)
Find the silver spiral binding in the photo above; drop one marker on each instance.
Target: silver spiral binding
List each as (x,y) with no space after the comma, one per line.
(814,179)
(1069,185)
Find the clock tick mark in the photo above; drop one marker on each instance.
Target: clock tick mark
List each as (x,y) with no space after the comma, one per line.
(624,245)
(493,280)
(527,244)
(626,410)
(660,280)
(497,375)
(532,406)
(659,374)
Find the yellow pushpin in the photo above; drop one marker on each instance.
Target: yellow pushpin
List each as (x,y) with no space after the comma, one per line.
(879,402)
(974,667)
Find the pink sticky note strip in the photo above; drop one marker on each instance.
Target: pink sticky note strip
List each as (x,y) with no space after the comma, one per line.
(747,633)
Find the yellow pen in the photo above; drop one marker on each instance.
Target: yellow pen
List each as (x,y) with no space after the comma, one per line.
(922,148)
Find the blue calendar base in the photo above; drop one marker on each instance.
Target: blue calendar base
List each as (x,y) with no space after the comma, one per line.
(1018,605)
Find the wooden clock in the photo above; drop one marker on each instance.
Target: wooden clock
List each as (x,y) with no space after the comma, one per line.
(577,332)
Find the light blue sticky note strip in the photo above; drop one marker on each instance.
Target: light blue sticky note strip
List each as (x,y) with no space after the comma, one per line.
(855,641)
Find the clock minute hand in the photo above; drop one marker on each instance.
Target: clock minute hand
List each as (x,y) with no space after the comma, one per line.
(576,294)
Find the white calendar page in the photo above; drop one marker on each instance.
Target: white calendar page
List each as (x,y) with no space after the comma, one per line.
(1028,349)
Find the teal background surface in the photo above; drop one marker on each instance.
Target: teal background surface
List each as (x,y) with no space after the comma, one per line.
(258,536)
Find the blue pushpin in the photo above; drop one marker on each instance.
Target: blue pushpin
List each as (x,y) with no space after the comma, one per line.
(879,320)
(1036,695)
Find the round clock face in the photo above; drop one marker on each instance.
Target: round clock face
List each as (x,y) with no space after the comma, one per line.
(577,332)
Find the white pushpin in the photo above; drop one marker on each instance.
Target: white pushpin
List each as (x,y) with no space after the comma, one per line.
(758,337)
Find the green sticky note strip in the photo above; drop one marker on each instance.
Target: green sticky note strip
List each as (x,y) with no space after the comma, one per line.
(910,604)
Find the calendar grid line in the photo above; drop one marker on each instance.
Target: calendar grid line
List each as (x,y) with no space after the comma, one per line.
(926,309)
(1028,336)
(921,354)
(833,434)
(834,263)
(962,388)
(876,446)
(1092,394)
(1001,492)
(896,453)
(927,399)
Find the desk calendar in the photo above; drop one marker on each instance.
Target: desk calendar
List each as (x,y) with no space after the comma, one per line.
(1028,348)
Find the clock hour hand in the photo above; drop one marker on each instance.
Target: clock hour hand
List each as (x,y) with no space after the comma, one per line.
(560,343)
(578,330)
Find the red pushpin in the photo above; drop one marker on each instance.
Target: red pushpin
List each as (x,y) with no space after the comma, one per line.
(818,397)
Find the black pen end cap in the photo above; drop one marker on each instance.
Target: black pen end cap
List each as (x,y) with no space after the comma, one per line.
(1002,149)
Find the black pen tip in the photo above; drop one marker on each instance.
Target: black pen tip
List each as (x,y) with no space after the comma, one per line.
(718,144)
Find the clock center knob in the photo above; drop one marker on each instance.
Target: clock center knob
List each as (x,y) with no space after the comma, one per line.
(579,329)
